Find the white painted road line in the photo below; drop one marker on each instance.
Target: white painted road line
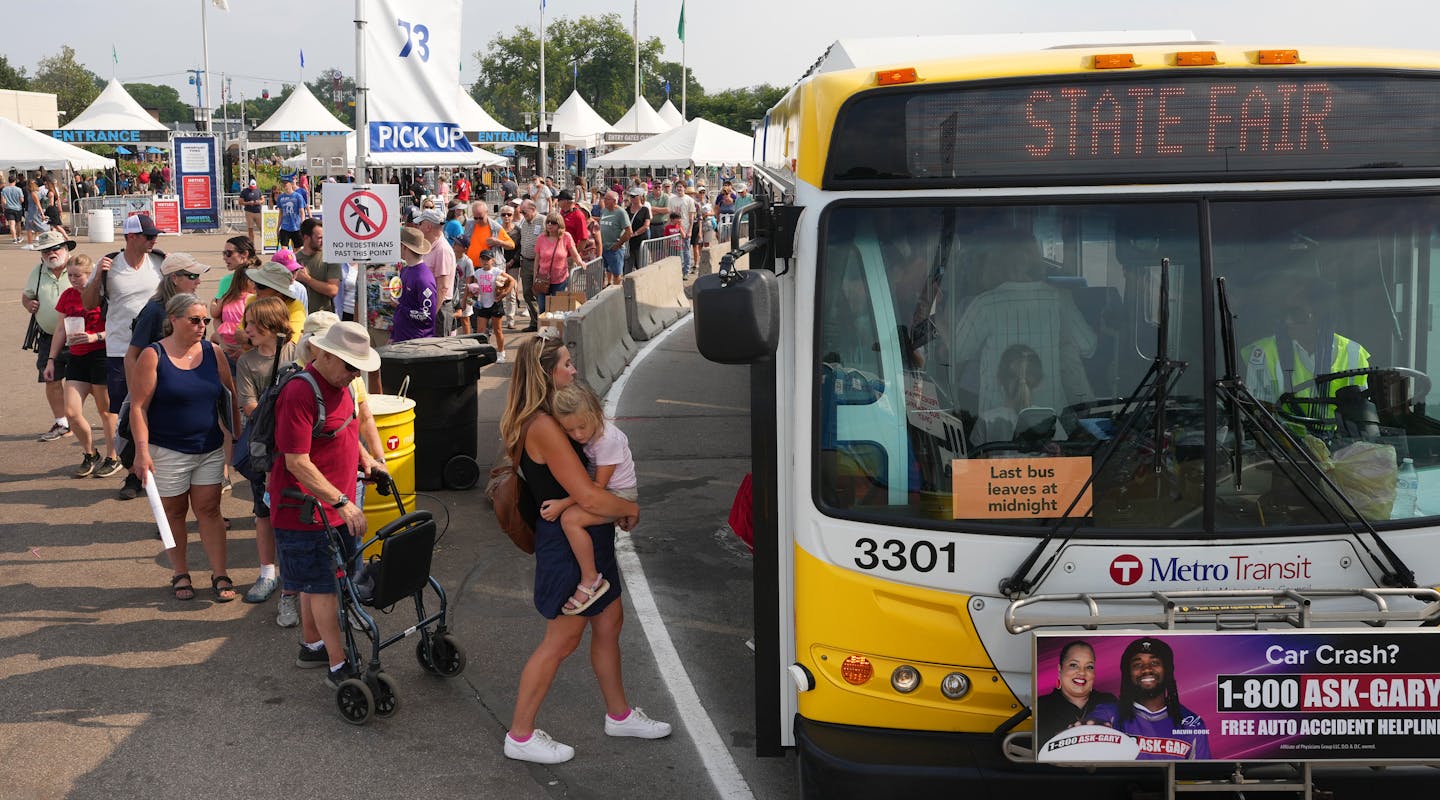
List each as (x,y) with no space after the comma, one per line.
(714,754)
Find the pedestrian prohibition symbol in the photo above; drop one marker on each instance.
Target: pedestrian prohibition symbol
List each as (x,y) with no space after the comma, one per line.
(363,215)
(362,223)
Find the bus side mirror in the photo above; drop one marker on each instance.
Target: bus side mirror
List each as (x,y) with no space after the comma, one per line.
(737,314)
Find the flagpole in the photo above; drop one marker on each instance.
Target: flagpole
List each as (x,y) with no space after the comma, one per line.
(636,33)
(684,65)
(362,96)
(205,58)
(540,120)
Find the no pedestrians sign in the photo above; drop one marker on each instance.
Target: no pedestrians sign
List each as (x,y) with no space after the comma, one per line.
(362,223)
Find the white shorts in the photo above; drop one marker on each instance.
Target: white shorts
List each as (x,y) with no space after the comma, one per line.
(176,472)
(631,493)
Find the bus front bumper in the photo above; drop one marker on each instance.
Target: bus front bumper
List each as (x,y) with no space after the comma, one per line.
(846,761)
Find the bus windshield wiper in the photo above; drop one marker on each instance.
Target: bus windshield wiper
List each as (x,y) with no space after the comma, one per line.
(1293,458)
(1154,390)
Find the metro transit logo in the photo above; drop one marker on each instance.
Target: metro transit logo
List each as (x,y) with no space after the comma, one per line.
(1126,569)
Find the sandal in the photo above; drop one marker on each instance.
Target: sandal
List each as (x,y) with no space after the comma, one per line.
(585,596)
(186,592)
(226,593)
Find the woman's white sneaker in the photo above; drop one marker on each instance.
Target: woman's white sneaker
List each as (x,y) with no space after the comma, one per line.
(539,749)
(637,725)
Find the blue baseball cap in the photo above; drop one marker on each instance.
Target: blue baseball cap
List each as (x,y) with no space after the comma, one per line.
(453,230)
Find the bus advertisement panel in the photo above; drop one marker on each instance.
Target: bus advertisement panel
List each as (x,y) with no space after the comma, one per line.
(1251,696)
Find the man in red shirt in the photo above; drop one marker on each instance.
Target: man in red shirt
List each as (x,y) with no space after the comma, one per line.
(575,222)
(462,188)
(324,467)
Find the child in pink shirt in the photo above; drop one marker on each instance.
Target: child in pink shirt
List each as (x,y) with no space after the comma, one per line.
(611,466)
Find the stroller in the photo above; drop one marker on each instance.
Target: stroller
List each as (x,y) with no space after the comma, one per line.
(402,571)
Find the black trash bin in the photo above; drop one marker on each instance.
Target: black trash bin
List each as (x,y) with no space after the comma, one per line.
(442,374)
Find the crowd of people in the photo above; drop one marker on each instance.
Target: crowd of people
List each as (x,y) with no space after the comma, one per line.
(181,380)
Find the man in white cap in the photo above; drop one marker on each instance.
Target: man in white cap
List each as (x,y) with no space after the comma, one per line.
(441,261)
(250,200)
(323,467)
(42,290)
(125,280)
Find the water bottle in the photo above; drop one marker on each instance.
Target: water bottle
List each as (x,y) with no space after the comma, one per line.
(1407,490)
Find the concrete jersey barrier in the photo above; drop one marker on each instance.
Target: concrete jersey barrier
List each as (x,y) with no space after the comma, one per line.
(599,339)
(654,299)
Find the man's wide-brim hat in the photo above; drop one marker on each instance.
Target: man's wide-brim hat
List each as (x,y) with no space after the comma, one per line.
(348,342)
(413,239)
(50,239)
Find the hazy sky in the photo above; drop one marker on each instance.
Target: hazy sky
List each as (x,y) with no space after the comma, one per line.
(731,42)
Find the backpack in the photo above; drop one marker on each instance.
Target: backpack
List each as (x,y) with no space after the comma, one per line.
(504,491)
(261,428)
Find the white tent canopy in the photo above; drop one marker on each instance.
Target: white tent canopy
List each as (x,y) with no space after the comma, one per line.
(471,116)
(579,125)
(697,143)
(300,112)
(671,114)
(115,110)
(24,149)
(476,158)
(641,118)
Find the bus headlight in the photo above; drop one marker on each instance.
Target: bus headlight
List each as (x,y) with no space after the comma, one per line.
(955,685)
(857,670)
(905,679)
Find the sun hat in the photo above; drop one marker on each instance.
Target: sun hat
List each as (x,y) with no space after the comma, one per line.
(182,262)
(348,342)
(636,192)
(430,215)
(413,239)
(52,239)
(274,276)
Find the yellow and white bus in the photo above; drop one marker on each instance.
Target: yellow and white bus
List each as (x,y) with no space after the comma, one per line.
(1115,336)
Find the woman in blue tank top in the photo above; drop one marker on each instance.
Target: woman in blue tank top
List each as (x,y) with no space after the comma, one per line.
(175,397)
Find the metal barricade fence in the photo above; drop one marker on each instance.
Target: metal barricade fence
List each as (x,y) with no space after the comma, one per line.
(652,250)
(232,215)
(593,272)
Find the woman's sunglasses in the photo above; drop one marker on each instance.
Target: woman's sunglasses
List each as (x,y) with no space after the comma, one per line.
(199,320)
(193,276)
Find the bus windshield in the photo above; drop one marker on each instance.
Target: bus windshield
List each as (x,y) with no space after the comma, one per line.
(1018,335)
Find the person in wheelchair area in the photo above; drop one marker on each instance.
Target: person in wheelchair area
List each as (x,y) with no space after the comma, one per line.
(1301,347)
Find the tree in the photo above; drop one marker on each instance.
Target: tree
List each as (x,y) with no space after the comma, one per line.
(73,85)
(594,55)
(734,108)
(336,92)
(165,100)
(12,78)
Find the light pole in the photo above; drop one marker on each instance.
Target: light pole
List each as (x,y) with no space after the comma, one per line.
(547,121)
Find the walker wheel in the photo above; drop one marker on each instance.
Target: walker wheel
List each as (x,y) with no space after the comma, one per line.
(355,701)
(386,698)
(422,654)
(446,655)
(460,472)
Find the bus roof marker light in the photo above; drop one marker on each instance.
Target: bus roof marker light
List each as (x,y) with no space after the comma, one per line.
(955,685)
(1114,61)
(857,670)
(905,679)
(892,77)
(1196,58)
(1278,57)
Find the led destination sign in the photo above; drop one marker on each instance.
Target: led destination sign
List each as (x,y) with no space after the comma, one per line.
(1153,127)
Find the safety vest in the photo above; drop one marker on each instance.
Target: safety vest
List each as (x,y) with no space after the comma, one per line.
(1267,381)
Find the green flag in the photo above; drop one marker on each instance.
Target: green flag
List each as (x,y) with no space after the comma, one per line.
(681,29)
(114,54)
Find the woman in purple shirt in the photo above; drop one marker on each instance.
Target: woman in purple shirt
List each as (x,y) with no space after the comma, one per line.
(417,301)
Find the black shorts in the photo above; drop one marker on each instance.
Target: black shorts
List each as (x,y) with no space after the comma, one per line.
(695,232)
(43,357)
(89,368)
(14,214)
(115,382)
(291,237)
(496,310)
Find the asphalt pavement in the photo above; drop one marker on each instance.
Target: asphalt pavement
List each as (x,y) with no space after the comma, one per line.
(111,689)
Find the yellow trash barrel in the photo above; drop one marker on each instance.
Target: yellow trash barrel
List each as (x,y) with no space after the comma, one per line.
(395,419)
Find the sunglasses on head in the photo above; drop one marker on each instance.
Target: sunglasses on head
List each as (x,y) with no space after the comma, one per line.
(548,334)
(199,320)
